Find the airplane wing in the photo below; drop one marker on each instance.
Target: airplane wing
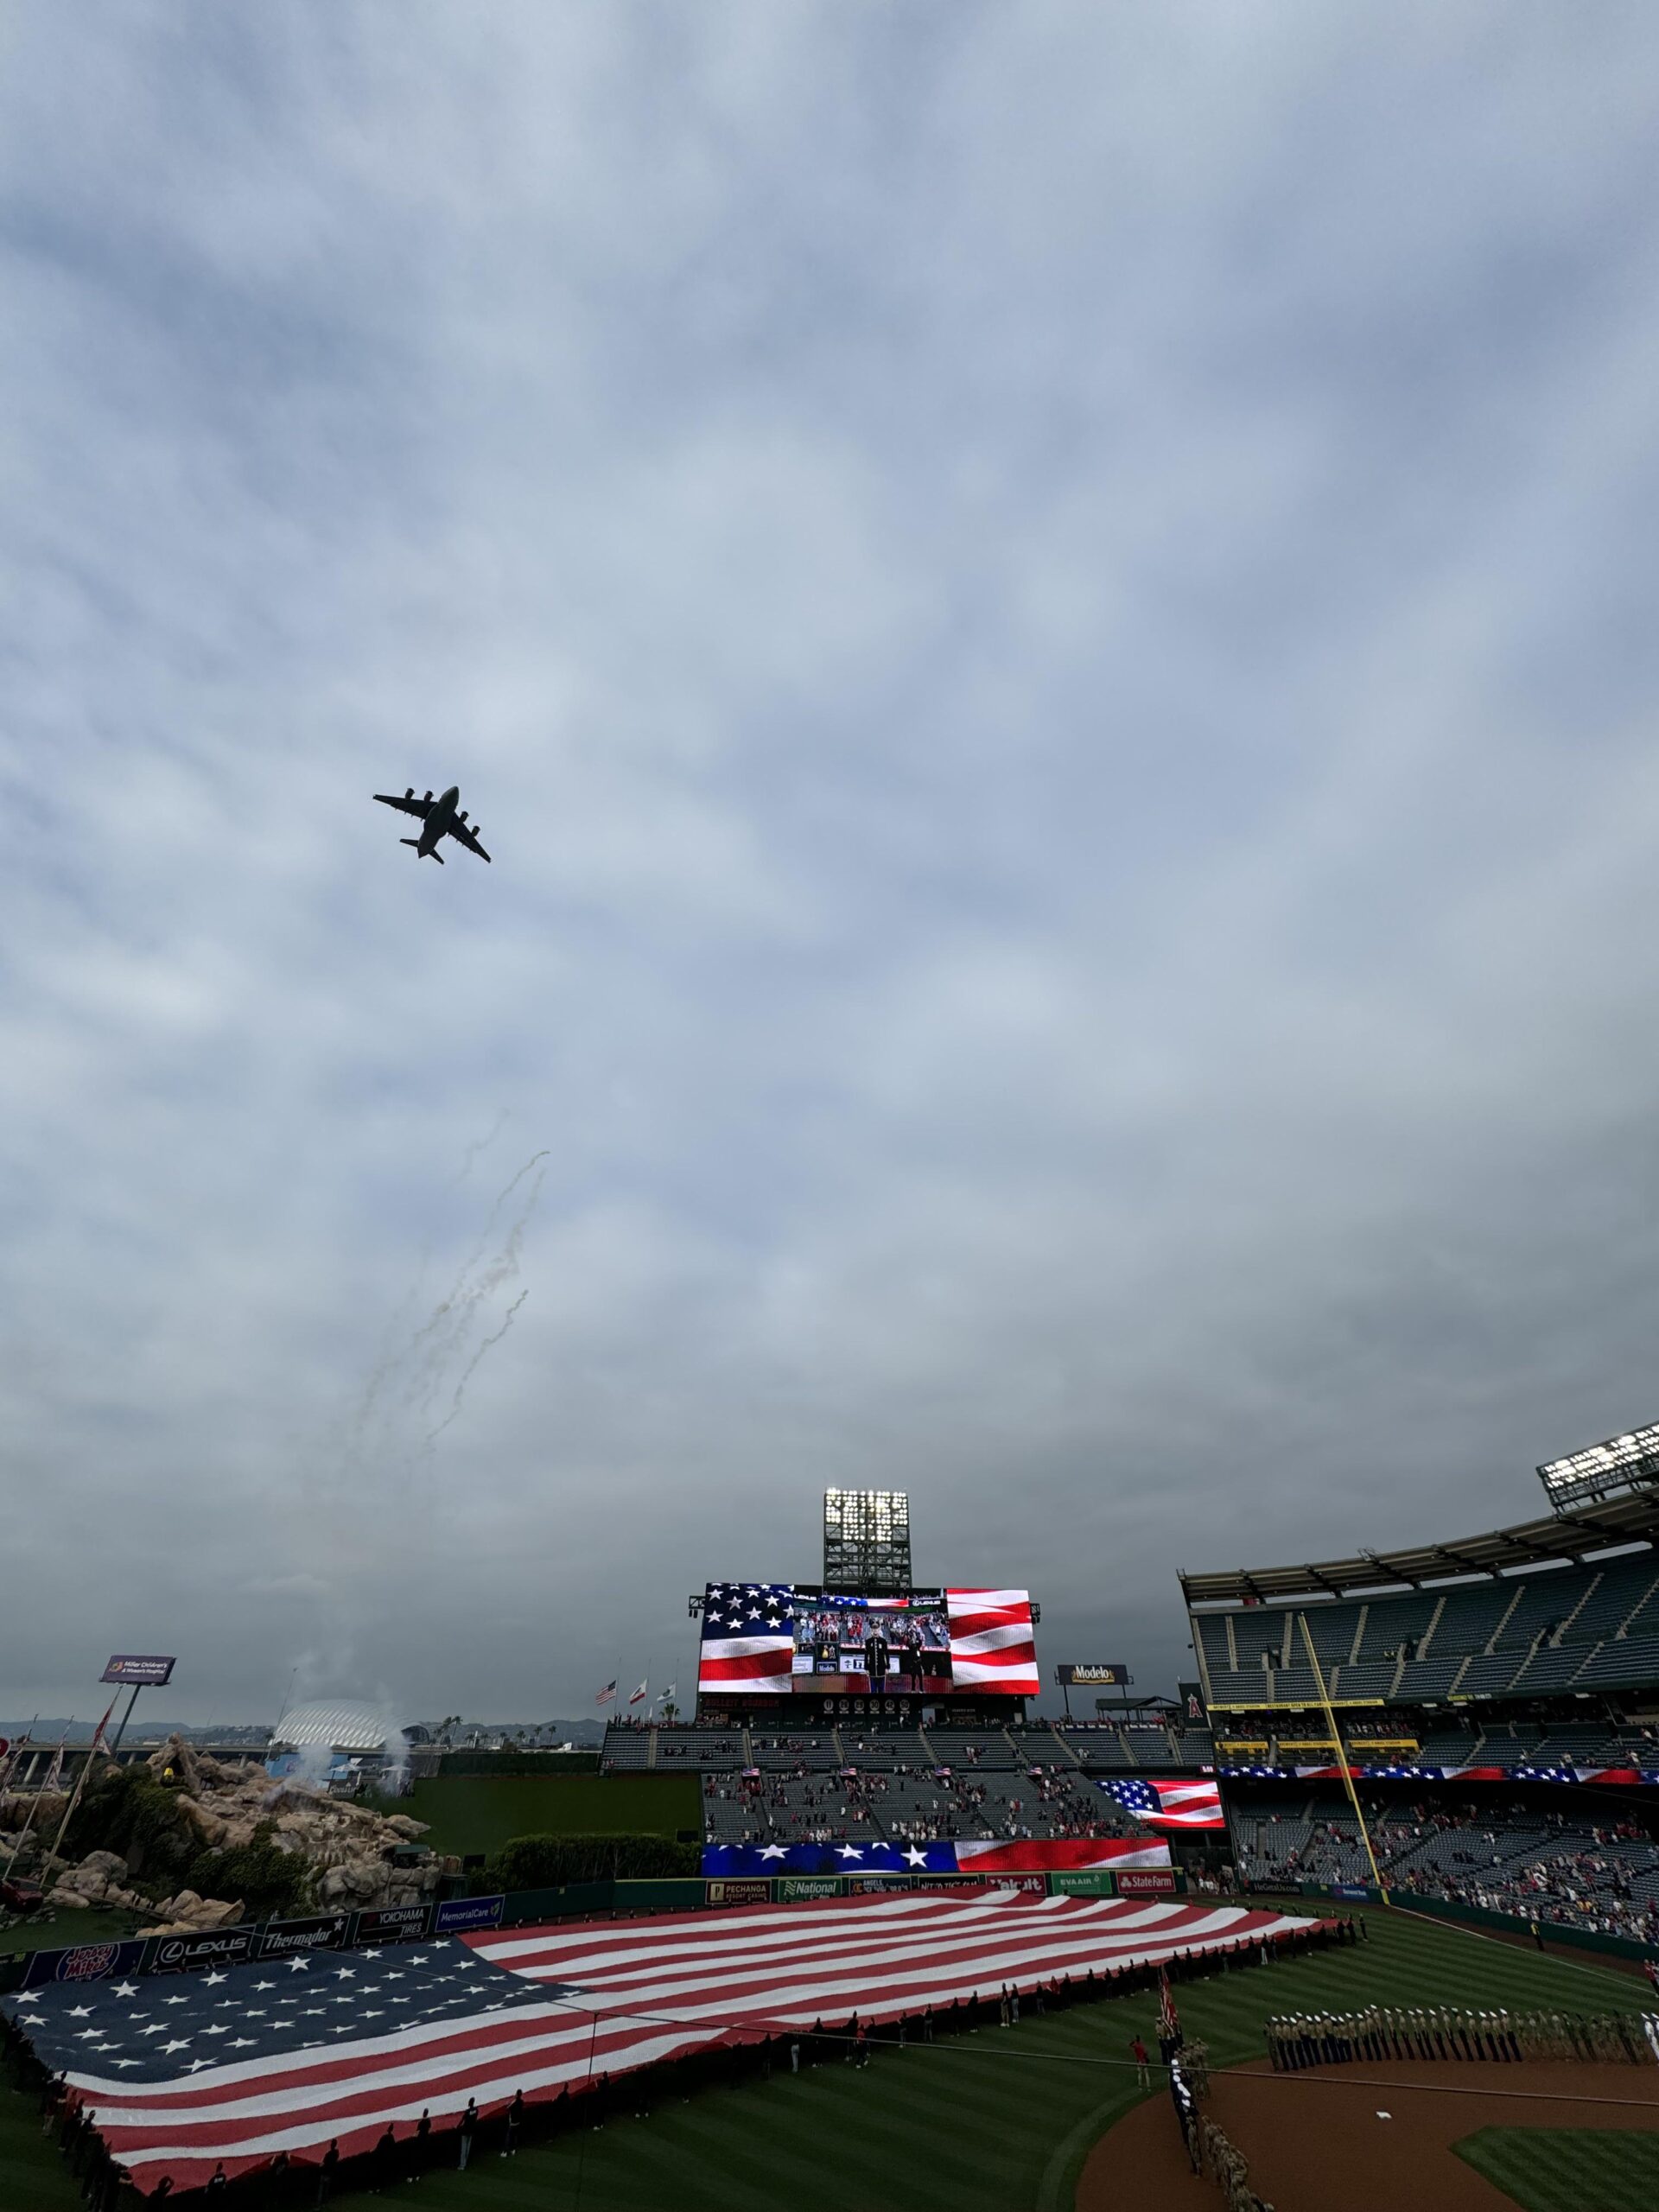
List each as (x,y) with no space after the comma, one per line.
(408,804)
(463,835)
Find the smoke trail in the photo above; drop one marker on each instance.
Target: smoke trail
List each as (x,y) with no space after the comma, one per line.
(390,1353)
(471,1367)
(442,1342)
(479,1145)
(393,1422)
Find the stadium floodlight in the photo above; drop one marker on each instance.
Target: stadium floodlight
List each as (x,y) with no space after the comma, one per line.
(867,1542)
(1601,1470)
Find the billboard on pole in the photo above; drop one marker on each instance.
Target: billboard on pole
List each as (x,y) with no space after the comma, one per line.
(148,1672)
(1108,1674)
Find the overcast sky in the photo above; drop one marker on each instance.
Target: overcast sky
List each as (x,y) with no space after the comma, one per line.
(1048,614)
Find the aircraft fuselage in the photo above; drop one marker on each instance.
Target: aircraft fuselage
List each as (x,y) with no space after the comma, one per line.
(438,822)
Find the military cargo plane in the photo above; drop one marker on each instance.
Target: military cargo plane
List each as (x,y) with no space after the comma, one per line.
(439,818)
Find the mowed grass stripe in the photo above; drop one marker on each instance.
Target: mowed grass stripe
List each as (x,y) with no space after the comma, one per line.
(1568,2169)
(976,2120)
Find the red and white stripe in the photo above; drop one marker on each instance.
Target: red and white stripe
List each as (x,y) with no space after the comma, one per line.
(644,1991)
(1187,1805)
(992,1643)
(758,1666)
(1056,1853)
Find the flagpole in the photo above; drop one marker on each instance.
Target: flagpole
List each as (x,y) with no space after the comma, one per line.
(1342,1756)
(80,1779)
(22,1833)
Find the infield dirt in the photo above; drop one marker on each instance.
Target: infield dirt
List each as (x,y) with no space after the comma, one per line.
(1317,2142)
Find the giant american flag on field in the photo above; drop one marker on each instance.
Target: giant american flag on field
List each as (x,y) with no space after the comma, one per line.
(748,1641)
(180,2072)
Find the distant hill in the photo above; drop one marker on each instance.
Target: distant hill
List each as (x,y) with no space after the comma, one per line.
(146,1728)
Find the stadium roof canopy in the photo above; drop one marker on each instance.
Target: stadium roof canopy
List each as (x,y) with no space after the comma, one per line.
(342,1724)
(1559,1538)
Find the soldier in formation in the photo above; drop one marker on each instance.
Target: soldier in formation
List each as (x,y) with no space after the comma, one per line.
(1297,2041)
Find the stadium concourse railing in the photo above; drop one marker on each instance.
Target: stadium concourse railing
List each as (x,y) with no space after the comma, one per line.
(1470,1916)
(250,1945)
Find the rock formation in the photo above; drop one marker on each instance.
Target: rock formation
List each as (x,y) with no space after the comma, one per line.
(347,1848)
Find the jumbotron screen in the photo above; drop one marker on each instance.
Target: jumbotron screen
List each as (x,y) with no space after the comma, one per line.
(780,1639)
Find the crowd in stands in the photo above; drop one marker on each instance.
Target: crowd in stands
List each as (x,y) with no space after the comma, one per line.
(905,1804)
(1089,1746)
(1542,1867)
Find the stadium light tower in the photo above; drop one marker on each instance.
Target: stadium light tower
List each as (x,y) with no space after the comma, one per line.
(1603,1471)
(867,1542)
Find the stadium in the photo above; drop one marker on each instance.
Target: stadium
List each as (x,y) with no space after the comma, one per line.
(1395,1834)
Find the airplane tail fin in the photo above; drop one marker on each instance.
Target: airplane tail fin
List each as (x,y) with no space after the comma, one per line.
(416,843)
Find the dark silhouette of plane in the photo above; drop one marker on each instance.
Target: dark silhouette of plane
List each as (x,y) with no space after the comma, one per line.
(439,817)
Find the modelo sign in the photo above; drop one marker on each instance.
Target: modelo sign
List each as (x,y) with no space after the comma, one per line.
(1100,1673)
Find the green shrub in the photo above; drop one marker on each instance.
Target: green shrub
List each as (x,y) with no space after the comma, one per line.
(129,1811)
(271,1884)
(549,1862)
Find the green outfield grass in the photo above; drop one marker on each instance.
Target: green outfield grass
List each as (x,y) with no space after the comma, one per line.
(1568,2169)
(65,1927)
(481,1813)
(997,2122)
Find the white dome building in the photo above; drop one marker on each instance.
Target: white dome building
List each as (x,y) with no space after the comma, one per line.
(346,1743)
(337,1724)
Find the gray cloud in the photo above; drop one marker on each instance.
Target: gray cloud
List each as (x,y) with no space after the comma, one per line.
(1044,614)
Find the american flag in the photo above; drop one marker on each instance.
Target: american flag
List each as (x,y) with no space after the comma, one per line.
(237,2065)
(748,1639)
(1031,1855)
(606,1694)
(992,1643)
(1169,1804)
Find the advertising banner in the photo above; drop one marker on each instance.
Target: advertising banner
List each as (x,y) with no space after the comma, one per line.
(392,1924)
(858,1883)
(795,1888)
(1098,1674)
(320,1931)
(220,1946)
(1083,1885)
(148,1672)
(1034,1884)
(458,1916)
(85,1962)
(1151,1882)
(753,1891)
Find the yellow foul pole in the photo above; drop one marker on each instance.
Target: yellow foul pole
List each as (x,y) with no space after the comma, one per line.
(1342,1756)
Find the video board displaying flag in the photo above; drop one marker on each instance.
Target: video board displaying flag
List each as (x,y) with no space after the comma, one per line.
(777,1639)
(1169,1804)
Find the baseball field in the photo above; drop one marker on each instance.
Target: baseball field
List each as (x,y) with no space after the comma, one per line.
(1005,2120)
